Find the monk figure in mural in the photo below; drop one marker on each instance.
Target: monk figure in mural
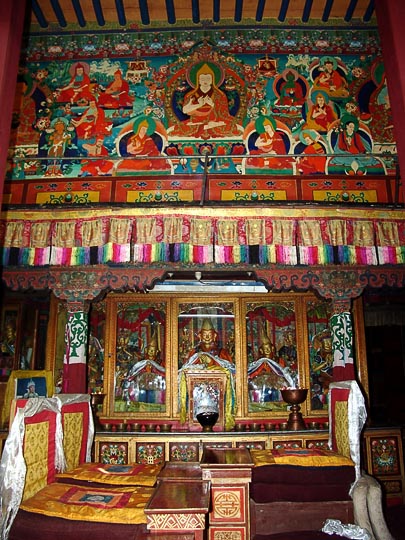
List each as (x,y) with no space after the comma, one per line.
(207,108)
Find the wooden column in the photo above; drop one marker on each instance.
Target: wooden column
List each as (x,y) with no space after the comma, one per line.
(12,15)
(391,17)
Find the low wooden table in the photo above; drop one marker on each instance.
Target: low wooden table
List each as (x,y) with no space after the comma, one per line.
(179,507)
(174,471)
(230,471)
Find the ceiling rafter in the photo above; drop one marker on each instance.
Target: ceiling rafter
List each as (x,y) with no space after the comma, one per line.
(146,12)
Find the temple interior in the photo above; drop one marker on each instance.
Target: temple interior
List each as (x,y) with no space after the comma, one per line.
(202,232)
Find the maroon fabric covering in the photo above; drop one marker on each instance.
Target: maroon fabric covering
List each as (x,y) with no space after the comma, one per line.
(294,483)
(264,493)
(295,474)
(298,535)
(32,526)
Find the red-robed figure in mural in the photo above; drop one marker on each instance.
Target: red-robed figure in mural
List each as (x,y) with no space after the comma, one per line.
(269,141)
(207,108)
(78,90)
(330,80)
(321,114)
(141,149)
(116,94)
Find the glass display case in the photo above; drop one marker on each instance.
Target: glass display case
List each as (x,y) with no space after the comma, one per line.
(205,332)
(271,352)
(137,353)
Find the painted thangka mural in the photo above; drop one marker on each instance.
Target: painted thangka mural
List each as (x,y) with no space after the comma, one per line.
(268,101)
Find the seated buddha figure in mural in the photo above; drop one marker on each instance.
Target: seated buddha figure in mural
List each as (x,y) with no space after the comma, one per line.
(321,114)
(206,108)
(352,143)
(291,88)
(92,122)
(349,139)
(79,88)
(310,151)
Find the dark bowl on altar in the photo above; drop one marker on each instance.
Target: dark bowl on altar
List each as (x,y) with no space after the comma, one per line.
(294,396)
(207,420)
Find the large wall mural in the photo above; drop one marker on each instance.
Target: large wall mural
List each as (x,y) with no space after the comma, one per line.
(173,104)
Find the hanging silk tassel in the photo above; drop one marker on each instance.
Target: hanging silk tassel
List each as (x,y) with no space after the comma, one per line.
(108,252)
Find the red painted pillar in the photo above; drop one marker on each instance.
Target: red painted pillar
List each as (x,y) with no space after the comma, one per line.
(391,26)
(12,16)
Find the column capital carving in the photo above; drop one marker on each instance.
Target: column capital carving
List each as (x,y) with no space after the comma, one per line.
(77,306)
(341,286)
(341,305)
(75,286)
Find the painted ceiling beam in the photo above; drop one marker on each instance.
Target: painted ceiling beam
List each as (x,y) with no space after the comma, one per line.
(238,10)
(260,10)
(350,10)
(143,8)
(327,10)
(171,14)
(79,13)
(216,10)
(120,12)
(283,10)
(98,10)
(369,11)
(58,12)
(195,11)
(307,10)
(38,14)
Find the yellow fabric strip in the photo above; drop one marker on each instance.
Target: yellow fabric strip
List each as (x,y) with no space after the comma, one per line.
(36,457)
(73,435)
(135,474)
(304,458)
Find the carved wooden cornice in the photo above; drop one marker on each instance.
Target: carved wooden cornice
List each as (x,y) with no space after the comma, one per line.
(88,283)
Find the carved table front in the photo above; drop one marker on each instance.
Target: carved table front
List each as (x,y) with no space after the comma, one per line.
(179,507)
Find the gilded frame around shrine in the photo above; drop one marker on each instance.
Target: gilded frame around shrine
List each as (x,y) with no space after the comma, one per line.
(274,353)
(136,380)
(206,333)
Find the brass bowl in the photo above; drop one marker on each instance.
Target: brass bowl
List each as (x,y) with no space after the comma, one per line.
(294,396)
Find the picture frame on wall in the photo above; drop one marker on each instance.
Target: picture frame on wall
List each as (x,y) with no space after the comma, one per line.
(31,387)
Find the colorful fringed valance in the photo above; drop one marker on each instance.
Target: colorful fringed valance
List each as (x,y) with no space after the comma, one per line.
(197,239)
